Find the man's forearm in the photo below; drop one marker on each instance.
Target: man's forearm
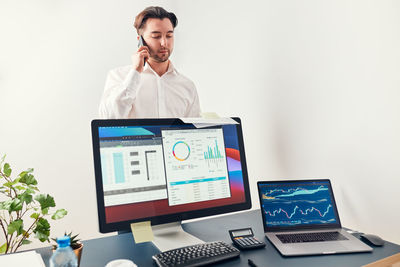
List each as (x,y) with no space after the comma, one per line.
(119,95)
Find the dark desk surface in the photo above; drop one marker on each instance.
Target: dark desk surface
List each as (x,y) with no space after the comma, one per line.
(97,252)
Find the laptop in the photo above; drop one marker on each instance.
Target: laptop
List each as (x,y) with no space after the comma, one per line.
(300,218)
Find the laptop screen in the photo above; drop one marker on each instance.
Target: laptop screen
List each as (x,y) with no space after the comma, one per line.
(288,205)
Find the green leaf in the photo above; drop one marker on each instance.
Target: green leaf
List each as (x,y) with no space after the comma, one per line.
(35,215)
(5,205)
(25,172)
(45,211)
(7,169)
(25,233)
(11,205)
(46,201)
(29,190)
(42,224)
(25,197)
(15,226)
(42,236)
(19,187)
(42,230)
(34,188)
(9,184)
(2,159)
(3,248)
(26,242)
(27,178)
(59,214)
(15,205)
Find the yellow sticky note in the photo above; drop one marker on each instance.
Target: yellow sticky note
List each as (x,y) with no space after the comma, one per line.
(209,115)
(142,232)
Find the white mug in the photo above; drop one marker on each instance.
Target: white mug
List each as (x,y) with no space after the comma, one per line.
(121,263)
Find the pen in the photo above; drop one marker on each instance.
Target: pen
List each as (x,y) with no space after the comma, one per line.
(251,263)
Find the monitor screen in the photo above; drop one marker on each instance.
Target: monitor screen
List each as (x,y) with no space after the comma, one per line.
(297,204)
(164,170)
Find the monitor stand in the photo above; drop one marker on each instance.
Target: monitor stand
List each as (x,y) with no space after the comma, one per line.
(171,235)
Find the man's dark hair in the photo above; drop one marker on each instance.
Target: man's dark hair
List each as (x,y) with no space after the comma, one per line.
(155,12)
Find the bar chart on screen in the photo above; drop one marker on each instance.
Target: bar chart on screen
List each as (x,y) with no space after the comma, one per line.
(214,156)
(195,165)
(133,172)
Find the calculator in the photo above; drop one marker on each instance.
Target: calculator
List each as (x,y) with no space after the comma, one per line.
(244,239)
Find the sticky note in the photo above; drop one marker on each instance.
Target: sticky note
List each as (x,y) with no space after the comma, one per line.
(142,232)
(210,115)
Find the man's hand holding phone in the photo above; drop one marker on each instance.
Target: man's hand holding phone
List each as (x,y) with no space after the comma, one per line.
(140,57)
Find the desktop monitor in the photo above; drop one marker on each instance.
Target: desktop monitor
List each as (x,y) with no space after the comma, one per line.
(165,170)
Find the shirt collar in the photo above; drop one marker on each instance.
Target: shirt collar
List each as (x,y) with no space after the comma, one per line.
(171,69)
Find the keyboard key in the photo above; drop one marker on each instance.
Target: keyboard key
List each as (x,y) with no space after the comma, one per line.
(310,237)
(196,255)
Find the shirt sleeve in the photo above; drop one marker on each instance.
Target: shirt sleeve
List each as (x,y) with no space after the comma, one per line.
(194,110)
(119,93)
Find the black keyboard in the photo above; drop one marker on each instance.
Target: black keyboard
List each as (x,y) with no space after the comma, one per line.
(310,237)
(196,255)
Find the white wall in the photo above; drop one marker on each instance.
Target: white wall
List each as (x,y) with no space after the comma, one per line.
(317,85)
(54,57)
(315,82)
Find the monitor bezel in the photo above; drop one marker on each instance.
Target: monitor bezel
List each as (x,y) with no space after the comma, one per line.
(168,218)
(302,227)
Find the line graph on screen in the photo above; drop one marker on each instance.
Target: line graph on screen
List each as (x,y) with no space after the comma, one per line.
(295,205)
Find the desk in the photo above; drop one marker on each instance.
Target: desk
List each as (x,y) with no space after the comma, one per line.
(97,252)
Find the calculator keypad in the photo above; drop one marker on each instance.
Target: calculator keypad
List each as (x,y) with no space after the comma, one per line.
(248,242)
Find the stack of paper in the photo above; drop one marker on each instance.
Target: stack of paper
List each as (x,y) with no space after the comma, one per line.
(208,122)
(22,259)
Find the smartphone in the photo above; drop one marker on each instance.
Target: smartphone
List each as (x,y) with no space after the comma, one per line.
(142,43)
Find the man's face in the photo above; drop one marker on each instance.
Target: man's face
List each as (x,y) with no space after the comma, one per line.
(159,37)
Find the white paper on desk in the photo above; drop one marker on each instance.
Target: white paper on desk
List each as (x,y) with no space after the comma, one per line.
(22,259)
(205,122)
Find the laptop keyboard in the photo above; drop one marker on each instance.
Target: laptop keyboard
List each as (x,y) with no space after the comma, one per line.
(311,237)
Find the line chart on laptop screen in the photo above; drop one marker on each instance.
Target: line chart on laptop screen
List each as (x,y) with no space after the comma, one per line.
(297,204)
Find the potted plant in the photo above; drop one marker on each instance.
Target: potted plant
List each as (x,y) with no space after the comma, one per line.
(23,210)
(75,244)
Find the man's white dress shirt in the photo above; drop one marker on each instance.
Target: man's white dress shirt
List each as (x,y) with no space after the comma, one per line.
(130,94)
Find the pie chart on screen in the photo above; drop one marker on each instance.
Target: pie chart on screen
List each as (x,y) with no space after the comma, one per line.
(181,151)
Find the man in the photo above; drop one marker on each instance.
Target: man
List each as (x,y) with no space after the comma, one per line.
(151,87)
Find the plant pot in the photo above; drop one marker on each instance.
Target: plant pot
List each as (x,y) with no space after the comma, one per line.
(78,253)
